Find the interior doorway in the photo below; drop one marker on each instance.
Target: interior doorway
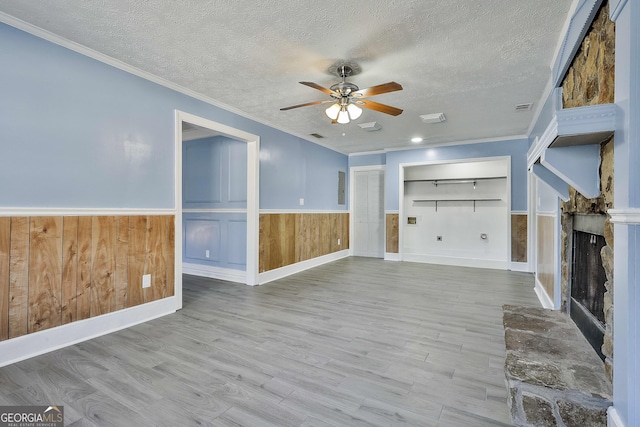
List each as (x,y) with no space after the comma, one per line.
(252,193)
(367,202)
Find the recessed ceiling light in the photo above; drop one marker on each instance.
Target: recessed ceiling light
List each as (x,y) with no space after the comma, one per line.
(416,139)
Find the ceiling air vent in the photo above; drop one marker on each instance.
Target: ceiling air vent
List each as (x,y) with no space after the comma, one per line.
(433,118)
(524,107)
(370,127)
(317,135)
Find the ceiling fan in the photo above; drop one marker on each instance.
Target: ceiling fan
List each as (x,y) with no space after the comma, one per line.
(347,98)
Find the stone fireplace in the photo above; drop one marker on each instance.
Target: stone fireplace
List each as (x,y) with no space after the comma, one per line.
(587,261)
(585,300)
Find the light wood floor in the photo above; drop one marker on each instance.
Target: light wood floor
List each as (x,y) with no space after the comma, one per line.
(356,342)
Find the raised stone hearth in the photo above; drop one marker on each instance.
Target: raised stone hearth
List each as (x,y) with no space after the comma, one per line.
(554,376)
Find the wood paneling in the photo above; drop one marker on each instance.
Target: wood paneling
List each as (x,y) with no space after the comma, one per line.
(519,238)
(171,256)
(289,238)
(68,302)
(156,258)
(45,273)
(5,249)
(392,233)
(83,297)
(122,261)
(103,265)
(18,277)
(56,270)
(137,258)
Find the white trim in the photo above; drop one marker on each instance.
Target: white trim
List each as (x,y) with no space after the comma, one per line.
(615,8)
(368,153)
(307,211)
(392,212)
(253,193)
(83,211)
(428,144)
(544,299)
(613,418)
(519,213)
(520,266)
(219,273)
(456,261)
(26,346)
(625,216)
(98,56)
(287,270)
(213,210)
(391,256)
(546,213)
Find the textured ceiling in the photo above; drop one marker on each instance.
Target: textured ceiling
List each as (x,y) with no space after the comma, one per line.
(471,60)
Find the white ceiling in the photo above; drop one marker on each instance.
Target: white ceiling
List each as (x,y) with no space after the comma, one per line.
(473,60)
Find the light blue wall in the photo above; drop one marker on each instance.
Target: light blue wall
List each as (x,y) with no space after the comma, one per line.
(214,174)
(78,133)
(215,177)
(626,321)
(294,170)
(224,235)
(375,159)
(517,149)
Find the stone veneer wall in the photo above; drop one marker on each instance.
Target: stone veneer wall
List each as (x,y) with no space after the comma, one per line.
(590,81)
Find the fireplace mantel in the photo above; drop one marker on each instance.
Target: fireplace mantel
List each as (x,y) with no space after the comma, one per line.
(568,152)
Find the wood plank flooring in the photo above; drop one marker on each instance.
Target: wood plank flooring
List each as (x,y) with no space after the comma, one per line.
(358,342)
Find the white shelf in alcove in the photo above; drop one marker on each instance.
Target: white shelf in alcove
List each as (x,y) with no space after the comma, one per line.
(455,180)
(458,200)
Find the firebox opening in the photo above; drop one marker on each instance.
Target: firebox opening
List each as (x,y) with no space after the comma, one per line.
(587,280)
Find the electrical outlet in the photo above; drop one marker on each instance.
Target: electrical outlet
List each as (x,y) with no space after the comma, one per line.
(206,253)
(338,242)
(439,238)
(301,202)
(146,280)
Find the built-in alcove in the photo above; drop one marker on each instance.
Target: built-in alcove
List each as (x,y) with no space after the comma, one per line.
(457,213)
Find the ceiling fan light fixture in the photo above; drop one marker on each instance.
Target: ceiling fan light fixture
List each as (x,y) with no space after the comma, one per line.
(343,116)
(332,111)
(354,111)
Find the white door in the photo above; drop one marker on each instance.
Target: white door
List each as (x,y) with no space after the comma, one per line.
(368,213)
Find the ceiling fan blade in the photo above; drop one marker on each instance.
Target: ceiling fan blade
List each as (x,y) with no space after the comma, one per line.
(318,87)
(387,109)
(377,90)
(306,105)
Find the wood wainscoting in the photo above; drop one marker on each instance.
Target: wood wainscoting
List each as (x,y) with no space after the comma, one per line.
(55,270)
(519,237)
(288,238)
(392,233)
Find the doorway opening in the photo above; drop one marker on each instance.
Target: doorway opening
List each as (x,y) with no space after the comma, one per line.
(210,128)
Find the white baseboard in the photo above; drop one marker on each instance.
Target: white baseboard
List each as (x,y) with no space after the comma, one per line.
(520,266)
(613,418)
(279,273)
(238,276)
(459,262)
(390,256)
(26,346)
(545,300)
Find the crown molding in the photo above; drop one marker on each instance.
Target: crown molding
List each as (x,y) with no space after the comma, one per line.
(123,66)
(625,216)
(579,24)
